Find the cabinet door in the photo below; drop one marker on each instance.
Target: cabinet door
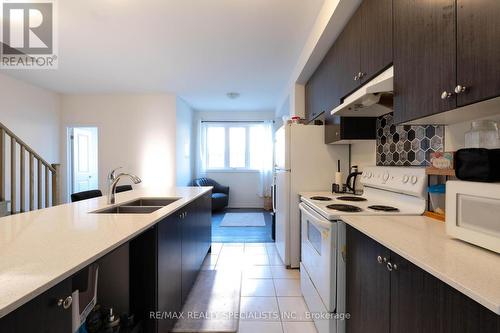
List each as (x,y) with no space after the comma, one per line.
(478,49)
(169,269)
(368,285)
(189,255)
(424,58)
(347,57)
(42,314)
(416,299)
(376,37)
(421,303)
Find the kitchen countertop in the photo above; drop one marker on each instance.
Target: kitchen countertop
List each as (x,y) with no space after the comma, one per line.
(471,270)
(41,248)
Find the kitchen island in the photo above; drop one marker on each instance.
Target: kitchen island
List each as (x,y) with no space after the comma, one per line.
(43,249)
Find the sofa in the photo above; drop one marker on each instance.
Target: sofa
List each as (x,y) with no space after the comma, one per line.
(220,193)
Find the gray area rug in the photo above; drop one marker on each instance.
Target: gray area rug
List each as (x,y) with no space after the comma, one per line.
(212,303)
(243,220)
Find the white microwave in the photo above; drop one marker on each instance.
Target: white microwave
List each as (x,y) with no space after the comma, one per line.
(473,213)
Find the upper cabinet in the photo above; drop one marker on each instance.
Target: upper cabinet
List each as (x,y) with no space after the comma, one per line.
(376,38)
(362,50)
(444,55)
(478,50)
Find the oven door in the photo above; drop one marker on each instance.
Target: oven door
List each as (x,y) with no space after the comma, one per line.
(319,253)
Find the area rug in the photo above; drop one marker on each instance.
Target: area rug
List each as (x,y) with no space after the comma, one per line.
(243,220)
(212,303)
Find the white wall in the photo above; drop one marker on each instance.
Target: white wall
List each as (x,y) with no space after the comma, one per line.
(455,134)
(244,186)
(33,114)
(137,132)
(184,144)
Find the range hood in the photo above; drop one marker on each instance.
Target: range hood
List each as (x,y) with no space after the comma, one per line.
(374,99)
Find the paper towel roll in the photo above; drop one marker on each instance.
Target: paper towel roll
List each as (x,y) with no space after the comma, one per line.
(339,178)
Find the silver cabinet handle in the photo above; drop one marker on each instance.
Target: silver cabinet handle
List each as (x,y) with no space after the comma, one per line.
(460,89)
(65,303)
(395,267)
(446,95)
(379,259)
(356,77)
(389,267)
(361,75)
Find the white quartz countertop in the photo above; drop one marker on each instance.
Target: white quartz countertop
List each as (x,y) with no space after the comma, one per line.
(39,249)
(471,270)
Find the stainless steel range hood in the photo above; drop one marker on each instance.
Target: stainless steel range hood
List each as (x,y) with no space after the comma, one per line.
(373,99)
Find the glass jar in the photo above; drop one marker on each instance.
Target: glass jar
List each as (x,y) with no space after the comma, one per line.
(483,134)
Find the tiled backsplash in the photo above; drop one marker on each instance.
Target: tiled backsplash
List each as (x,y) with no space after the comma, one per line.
(406,145)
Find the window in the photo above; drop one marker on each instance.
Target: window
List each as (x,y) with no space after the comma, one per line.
(235,146)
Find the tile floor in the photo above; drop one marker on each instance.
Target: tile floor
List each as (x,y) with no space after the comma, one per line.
(271,301)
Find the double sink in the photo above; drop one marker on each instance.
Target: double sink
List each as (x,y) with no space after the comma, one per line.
(138,206)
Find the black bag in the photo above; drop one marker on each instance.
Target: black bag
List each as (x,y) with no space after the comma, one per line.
(478,164)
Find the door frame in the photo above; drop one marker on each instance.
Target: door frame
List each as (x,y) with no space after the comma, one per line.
(70,157)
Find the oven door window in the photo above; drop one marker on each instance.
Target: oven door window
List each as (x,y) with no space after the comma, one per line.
(314,236)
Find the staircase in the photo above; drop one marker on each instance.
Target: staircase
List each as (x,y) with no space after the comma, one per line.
(26,179)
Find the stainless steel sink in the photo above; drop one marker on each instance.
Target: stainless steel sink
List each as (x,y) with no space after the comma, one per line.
(138,206)
(128,210)
(152,202)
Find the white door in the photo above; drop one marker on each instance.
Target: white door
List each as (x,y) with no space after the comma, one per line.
(283,215)
(84,159)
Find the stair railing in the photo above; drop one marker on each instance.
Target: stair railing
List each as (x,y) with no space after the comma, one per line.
(22,184)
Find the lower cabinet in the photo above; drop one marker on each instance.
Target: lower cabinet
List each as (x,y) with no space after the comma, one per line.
(387,293)
(165,261)
(48,313)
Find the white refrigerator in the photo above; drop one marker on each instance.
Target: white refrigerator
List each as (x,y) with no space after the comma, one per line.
(303,162)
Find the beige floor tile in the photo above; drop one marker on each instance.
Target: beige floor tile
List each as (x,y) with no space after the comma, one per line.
(257,259)
(259,309)
(293,309)
(299,327)
(260,327)
(287,287)
(257,287)
(275,259)
(257,272)
(256,250)
(281,272)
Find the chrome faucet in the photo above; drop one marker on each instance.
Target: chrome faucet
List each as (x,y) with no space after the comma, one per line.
(113,181)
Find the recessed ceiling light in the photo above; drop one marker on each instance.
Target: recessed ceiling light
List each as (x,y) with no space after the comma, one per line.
(233,95)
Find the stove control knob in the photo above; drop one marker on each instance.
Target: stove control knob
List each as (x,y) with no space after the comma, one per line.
(386,177)
(406,178)
(414,180)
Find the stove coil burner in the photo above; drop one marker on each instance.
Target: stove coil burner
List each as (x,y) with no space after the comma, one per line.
(345,208)
(347,198)
(320,198)
(384,208)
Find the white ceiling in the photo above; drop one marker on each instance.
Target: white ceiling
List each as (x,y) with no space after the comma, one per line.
(198,49)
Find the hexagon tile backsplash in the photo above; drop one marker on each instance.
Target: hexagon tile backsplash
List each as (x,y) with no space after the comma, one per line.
(406,145)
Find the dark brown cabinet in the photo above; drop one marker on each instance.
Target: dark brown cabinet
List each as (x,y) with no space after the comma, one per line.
(362,50)
(478,50)
(368,282)
(445,55)
(376,37)
(387,293)
(342,130)
(424,58)
(169,272)
(44,314)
